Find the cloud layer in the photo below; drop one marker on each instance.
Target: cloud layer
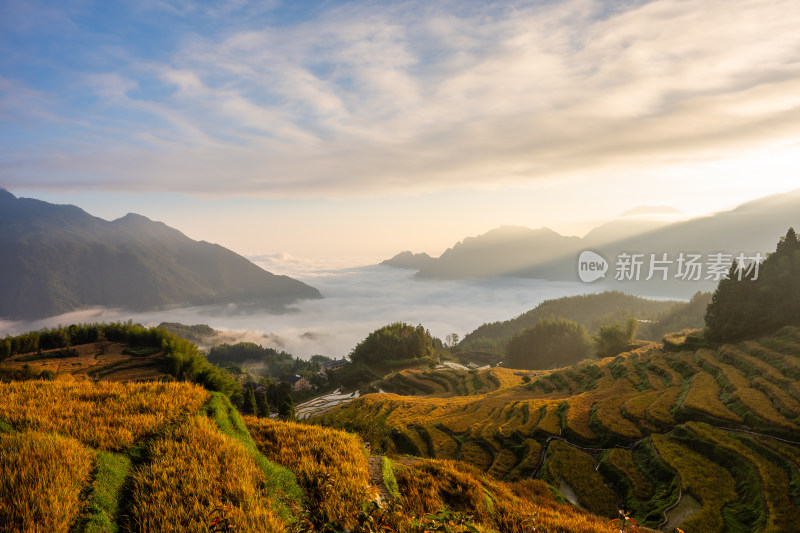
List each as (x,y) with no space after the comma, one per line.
(401,97)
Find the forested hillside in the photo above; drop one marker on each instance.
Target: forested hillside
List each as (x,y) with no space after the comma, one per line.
(657,317)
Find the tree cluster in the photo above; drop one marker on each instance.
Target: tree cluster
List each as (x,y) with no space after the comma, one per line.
(552,342)
(394,345)
(753,306)
(592,311)
(267,396)
(614,339)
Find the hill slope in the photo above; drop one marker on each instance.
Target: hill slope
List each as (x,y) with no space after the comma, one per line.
(589,310)
(706,439)
(58,258)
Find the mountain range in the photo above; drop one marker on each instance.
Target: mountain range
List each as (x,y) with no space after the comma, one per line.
(58,258)
(514,251)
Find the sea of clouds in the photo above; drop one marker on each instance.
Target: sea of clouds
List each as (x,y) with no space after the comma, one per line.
(357,300)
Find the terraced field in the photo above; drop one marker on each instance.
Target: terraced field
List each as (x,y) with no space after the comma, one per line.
(77,456)
(709,435)
(115,362)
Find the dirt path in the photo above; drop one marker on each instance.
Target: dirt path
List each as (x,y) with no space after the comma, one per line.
(376,476)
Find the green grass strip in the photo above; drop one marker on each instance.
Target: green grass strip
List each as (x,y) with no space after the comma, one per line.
(112,469)
(281,482)
(387,470)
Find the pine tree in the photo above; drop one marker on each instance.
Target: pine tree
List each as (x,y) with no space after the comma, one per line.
(250,406)
(263,403)
(286,410)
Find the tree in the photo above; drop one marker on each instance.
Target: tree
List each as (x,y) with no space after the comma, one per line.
(452,340)
(101,344)
(286,409)
(250,406)
(614,339)
(263,403)
(551,342)
(5,348)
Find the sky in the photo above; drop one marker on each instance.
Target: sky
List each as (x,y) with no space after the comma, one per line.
(349,131)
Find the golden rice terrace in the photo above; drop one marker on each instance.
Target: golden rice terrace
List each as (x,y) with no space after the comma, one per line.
(707,439)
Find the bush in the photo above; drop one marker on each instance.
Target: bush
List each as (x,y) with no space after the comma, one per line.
(612,340)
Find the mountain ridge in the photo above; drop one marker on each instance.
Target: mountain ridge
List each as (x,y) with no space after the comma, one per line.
(515,251)
(59,258)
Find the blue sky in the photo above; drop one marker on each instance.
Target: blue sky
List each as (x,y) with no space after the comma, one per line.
(361,128)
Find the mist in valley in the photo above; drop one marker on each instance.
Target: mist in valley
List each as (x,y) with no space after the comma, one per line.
(357,300)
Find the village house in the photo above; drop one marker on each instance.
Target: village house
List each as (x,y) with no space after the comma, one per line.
(330,366)
(297,382)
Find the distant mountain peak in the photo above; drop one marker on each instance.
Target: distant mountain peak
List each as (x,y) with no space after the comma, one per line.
(408,259)
(133,216)
(5,195)
(134,219)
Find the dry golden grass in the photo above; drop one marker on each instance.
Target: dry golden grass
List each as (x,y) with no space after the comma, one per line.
(781,512)
(503,464)
(660,410)
(609,410)
(551,421)
(789,452)
(731,353)
(430,485)
(193,469)
(111,416)
(139,373)
(535,411)
(577,469)
(622,460)
(704,479)
(476,455)
(637,405)
(662,366)
(514,415)
(753,399)
(507,377)
(41,479)
(88,361)
(654,381)
(443,444)
(782,361)
(578,415)
(704,397)
(784,400)
(532,457)
(312,452)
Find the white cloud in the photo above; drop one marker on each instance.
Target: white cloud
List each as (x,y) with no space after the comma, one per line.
(373,99)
